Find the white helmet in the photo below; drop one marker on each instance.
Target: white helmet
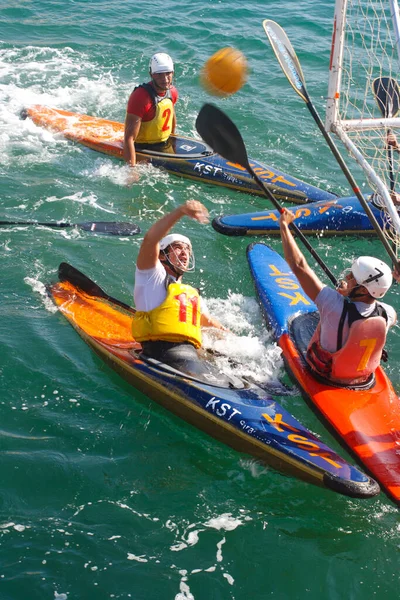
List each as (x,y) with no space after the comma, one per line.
(161,63)
(174,237)
(373,274)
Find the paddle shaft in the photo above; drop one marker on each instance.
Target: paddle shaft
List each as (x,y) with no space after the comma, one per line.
(291,67)
(390,162)
(352,181)
(109,228)
(55,224)
(219,131)
(293,226)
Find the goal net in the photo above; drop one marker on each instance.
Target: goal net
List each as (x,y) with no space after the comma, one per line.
(364,96)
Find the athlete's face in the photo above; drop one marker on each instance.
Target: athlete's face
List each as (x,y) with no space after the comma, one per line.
(162,81)
(179,255)
(347,284)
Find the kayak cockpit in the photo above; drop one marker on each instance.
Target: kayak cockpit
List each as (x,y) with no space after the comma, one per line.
(203,372)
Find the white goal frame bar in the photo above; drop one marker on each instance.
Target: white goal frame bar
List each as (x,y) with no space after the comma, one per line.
(333,122)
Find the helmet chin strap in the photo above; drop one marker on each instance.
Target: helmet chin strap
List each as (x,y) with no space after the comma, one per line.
(176,271)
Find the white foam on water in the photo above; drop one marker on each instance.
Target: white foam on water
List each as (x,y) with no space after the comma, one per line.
(57,77)
(122,175)
(184,591)
(229,578)
(137,558)
(219,549)
(247,350)
(225,521)
(82,198)
(35,281)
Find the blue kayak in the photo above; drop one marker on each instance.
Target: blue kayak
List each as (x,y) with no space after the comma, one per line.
(342,216)
(366,418)
(233,410)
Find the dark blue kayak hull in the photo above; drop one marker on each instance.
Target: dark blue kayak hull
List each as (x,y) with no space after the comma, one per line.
(342,216)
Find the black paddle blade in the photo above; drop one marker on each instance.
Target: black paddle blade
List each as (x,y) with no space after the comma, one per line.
(110,228)
(219,132)
(67,272)
(105,227)
(387,95)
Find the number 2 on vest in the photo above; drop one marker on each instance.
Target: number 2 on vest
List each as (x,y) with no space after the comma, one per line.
(166,116)
(183,302)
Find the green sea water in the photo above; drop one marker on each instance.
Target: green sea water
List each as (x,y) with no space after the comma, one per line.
(104,494)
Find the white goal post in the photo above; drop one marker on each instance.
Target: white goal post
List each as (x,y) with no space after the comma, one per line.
(366,47)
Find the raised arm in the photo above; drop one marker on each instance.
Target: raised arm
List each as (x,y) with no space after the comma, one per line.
(150,248)
(309,281)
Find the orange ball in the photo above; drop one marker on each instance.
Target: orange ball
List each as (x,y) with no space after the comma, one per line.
(225,72)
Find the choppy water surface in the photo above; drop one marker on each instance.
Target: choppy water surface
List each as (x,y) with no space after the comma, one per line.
(105,494)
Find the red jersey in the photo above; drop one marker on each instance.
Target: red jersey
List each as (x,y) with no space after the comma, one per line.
(141,104)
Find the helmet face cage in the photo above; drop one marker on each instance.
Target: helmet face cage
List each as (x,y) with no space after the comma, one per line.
(167,245)
(177,265)
(342,277)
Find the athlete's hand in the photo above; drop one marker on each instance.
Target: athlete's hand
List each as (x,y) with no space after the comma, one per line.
(395,197)
(286,217)
(396,274)
(391,140)
(132,176)
(195,210)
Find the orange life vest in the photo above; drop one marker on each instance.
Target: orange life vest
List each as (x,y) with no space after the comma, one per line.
(354,361)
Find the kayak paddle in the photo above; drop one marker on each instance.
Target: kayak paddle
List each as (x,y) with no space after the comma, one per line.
(94,226)
(290,65)
(387,95)
(67,272)
(219,132)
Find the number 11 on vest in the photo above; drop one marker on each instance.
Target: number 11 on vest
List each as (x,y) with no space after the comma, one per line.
(183,303)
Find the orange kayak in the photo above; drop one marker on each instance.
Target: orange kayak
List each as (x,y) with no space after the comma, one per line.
(233,410)
(367,419)
(182,156)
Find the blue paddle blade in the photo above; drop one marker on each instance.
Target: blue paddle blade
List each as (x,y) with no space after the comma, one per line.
(117,228)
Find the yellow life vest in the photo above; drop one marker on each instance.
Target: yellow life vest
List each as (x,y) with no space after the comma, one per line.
(160,127)
(177,319)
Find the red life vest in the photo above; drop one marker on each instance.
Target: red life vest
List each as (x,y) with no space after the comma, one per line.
(358,358)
